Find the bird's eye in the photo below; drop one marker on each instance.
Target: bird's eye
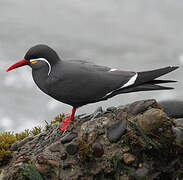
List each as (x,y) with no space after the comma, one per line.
(34,61)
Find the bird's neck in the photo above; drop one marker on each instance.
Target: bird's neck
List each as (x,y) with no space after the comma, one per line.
(40,76)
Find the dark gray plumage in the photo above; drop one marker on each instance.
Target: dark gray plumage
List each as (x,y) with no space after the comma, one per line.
(79,82)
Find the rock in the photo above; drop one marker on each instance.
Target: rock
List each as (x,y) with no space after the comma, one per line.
(115,131)
(39,138)
(44,165)
(2,174)
(43,168)
(28,171)
(22,158)
(66,166)
(151,119)
(125,149)
(98,150)
(101,131)
(128,158)
(68,137)
(72,148)
(179,122)
(18,144)
(42,134)
(55,147)
(141,106)
(94,124)
(38,151)
(178,130)
(173,108)
(179,134)
(112,109)
(143,170)
(125,177)
(92,137)
(52,163)
(97,112)
(54,137)
(14,146)
(63,156)
(122,114)
(44,143)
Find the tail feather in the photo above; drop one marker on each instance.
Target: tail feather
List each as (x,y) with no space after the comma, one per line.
(143,87)
(148,76)
(161,81)
(146,81)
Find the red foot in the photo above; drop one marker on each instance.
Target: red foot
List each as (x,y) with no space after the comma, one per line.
(67,121)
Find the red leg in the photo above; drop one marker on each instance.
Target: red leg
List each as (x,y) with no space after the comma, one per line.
(68,120)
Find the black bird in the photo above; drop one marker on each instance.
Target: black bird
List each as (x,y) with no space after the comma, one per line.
(78,82)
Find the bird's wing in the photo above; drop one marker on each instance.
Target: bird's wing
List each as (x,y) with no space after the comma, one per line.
(84,82)
(80,61)
(90,64)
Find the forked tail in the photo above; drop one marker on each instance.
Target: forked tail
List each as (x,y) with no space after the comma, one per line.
(146,81)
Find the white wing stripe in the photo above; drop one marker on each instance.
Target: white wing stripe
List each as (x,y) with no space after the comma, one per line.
(112,70)
(129,83)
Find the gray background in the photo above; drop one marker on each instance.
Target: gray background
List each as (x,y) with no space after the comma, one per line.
(129,35)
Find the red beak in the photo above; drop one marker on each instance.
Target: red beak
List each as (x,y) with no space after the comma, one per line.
(23,62)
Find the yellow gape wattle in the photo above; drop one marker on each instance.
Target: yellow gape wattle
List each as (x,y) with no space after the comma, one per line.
(33,62)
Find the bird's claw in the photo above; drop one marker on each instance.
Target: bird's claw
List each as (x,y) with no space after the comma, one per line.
(66,122)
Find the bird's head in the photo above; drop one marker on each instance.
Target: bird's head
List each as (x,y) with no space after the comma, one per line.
(37,57)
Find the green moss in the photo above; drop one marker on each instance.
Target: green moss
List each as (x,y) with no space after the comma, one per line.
(9,138)
(57,120)
(158,145)
(29,172)
(132,140)
(85,151)
(156,139)
(22,135)
(119,166)
(6,140)
(35,131)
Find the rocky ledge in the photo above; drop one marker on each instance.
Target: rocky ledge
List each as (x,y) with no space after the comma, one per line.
(133,141)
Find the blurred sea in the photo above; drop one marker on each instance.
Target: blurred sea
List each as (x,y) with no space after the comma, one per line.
(129,35)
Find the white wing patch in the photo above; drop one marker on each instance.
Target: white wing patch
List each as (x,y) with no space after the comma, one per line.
(112,70)
(45,60)
(129,83)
